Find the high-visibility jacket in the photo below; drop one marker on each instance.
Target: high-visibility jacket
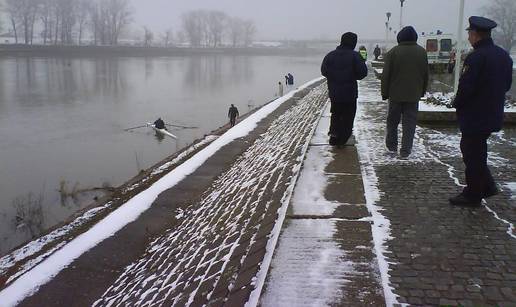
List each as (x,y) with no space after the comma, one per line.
(363,53)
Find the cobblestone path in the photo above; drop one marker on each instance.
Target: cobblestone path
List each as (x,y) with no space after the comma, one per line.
(214,255)
(439,254)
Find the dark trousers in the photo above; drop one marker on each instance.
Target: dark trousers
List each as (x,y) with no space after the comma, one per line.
(474,154)
(342,119)
(232,121)
(406,112)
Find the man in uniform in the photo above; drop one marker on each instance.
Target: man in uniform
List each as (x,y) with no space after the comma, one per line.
(486,78)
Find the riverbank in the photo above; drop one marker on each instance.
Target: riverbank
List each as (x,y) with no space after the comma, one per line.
(133,51)
(24,257)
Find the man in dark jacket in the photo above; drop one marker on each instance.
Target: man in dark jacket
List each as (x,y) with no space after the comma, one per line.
(404,82)
(377,52)
(233,114)
(486,78)
(342,68)
(159,124)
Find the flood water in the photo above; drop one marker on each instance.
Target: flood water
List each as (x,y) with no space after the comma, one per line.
(62,123)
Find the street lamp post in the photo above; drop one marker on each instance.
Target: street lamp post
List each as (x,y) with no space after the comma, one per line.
(388,14)
(458,50)
(401,13)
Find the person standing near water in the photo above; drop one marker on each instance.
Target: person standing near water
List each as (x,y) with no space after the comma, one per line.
(233,114)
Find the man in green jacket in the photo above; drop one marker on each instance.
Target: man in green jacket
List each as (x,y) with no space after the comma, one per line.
(404,82)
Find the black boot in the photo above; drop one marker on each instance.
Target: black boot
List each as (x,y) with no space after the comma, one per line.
(492,191)
(463,201)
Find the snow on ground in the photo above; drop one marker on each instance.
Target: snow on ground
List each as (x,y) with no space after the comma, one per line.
(36,246)
(309,198)
(307,244)
(130,211)
(368,151)
(512,187)
(276,232)
(429,145)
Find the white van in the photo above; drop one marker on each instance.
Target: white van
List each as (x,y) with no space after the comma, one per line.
(438,46)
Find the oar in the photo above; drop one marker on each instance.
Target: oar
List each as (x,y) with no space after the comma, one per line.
(179,126)
(129,129)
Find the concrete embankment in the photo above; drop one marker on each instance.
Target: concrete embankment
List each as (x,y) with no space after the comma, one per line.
(211,224)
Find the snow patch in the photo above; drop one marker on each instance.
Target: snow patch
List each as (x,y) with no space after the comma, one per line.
(307,244)
(512,187)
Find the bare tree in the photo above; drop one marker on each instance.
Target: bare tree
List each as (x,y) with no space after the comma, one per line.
(108,19)
(14,8)
(22,14)
(119,17)
(66,11)
(249,32)
(167,37)
(236,30)
(193,27)
(148,37)
(216,22)
(46,18)
(82,8)
(504,13)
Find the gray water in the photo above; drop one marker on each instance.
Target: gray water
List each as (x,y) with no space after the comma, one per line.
(62,120)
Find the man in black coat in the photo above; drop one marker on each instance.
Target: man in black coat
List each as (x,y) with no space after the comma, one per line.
(377,52)
(159,124)
(342,68)
(233,114)
(486,78)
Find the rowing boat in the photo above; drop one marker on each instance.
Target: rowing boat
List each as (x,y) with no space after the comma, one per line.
(162,131)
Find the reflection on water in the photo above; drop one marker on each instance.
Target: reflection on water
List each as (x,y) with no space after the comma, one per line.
(62,121)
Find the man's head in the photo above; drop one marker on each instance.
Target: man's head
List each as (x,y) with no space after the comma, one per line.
(232,105)
(407,34)
(349,39)
(479,29)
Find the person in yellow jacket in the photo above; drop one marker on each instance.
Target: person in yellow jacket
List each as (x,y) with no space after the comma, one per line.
(363,52)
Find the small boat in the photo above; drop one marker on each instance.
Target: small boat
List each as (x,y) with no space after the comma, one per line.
(162,131)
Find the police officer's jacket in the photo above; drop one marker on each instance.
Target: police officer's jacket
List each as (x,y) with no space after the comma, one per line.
(486,78)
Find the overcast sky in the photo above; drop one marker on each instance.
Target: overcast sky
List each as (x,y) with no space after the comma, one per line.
(307,19)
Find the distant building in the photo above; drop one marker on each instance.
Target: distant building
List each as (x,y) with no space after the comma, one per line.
(7,38)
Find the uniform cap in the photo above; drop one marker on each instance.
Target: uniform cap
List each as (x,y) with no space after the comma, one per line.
(481,24)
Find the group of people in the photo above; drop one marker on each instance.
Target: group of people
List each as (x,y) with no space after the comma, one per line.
(485,79)
(289,81)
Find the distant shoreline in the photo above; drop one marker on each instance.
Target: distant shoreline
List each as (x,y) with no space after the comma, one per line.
(48,50)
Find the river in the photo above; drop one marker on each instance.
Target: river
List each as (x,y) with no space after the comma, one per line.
(62,122)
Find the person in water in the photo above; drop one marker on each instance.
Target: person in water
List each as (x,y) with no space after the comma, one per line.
(159,124)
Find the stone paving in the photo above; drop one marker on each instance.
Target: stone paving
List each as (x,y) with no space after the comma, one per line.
(325,255)
(215,241)
(213,255)
(441,255)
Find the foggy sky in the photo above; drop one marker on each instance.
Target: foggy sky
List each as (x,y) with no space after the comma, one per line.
(311,19)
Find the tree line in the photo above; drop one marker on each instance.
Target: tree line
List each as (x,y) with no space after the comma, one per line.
(103,22)
(212,28)
(66,22)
